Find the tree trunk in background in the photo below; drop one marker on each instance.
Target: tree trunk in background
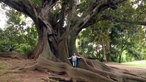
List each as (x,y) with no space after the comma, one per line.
(120,58)
(109,52)
(104,51)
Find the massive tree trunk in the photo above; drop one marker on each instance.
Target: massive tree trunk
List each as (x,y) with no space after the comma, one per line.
(51,46)
(56,40)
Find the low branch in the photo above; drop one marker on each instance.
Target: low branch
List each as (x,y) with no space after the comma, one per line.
(22,6)
(46,6)
(131,22)
(90,19)
(115,19)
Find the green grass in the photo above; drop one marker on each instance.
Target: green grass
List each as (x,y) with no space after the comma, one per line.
(141,63)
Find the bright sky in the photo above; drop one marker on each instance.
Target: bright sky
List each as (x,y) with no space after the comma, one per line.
(2,17)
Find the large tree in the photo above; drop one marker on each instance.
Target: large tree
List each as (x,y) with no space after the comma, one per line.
(58,22)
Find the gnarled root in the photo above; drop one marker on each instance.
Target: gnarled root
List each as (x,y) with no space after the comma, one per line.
(91,70)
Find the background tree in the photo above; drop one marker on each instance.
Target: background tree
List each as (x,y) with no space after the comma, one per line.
(17,35)
(120,33)
(58,23)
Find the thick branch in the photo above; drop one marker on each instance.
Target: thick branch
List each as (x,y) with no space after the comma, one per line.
(115,19)
(46,2)
(46,6)
(67,14)
(90,18)
(24,6)
(131,22)
(72,14)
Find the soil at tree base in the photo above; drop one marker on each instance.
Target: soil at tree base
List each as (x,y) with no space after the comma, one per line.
(36,76)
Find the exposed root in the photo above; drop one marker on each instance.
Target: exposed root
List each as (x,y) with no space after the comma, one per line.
(12,55)
(60,78)
(19,70)
(91,71)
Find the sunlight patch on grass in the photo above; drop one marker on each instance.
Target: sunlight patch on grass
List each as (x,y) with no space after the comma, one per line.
(141,63)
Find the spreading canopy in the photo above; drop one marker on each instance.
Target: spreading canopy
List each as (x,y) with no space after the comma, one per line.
(64,13)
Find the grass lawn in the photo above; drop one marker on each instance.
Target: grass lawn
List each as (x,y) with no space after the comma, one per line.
(141,63)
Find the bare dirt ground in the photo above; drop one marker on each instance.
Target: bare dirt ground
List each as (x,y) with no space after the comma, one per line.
(7,64)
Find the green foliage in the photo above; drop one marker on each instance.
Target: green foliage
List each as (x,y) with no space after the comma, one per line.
(83,44)
(17,35)
(123,41)
(24,47)
(13,40)
(37,2)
